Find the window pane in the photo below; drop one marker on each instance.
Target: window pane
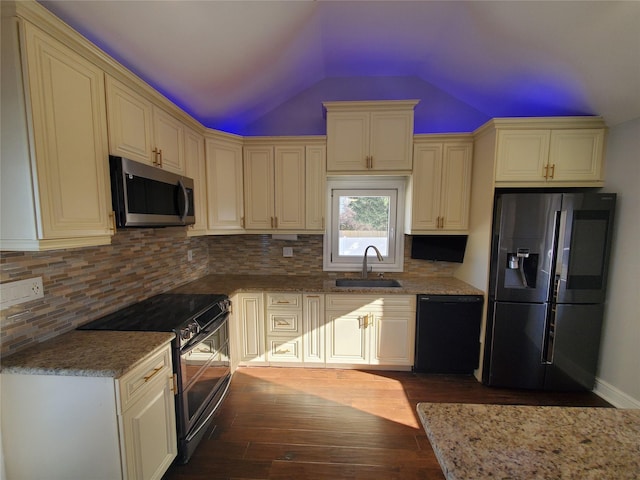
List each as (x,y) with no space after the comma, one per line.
(364,220)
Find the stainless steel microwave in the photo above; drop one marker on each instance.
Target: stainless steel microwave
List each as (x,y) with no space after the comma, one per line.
(146,196)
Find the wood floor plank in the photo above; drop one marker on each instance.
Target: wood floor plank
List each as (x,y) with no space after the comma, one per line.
(330,424)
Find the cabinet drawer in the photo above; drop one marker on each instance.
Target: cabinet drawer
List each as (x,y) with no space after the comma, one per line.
(283,322)
(284,300)
(134,384)
(369,303)
(285,350)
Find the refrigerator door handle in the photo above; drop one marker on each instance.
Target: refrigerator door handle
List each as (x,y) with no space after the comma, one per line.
(549,336)
(560,271)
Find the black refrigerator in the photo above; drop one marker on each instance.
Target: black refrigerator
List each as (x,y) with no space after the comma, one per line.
(548,275)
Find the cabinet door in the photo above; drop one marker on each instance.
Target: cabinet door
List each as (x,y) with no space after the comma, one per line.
(391,140)
(258,183)
(195,169)
(456,186)
(129,120)
(149,428)
(316,180)
(289,192)
(393,338)
(313,328)
(225,196)
(426,187)
(522,155)
(169,139)
(347,338)
(576,155)
(347,141)
(70,137)
(250,318)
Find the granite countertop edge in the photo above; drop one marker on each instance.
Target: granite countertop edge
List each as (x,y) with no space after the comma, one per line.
(86,353)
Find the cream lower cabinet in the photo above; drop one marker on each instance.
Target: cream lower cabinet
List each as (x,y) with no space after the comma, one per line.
(284,327)
(370,330)
(313,333)
(55,187)
(440,187)
(141,131)
(248,320)
(549,156)
(75,427)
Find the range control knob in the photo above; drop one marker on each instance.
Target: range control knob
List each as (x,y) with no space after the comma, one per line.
(185,333)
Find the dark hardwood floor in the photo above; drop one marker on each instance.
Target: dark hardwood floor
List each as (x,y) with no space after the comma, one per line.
(324,424)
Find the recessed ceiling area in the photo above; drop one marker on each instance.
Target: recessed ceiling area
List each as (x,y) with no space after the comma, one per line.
(265,67)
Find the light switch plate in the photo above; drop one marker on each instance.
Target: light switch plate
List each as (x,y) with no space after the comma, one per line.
(14,293)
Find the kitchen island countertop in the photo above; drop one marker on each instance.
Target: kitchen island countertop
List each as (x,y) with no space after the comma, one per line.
(86,353)
(410,285)
(513,442)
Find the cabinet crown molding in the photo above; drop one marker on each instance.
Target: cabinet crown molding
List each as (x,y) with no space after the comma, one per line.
(365,105)
(528,123)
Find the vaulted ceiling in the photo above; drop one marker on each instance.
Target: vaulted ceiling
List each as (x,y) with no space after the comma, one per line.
(264,67)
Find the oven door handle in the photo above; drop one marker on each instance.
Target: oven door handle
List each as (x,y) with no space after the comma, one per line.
(213,410)
(204,334)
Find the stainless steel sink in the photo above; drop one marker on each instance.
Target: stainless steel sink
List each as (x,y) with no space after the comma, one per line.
(367,283)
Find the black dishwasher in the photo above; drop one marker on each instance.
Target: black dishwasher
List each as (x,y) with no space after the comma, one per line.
(448,333)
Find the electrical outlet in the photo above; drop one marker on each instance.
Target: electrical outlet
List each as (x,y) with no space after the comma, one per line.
(190,255)
(14,293)
(287,251)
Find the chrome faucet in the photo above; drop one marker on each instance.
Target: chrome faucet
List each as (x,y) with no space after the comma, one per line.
(364,259)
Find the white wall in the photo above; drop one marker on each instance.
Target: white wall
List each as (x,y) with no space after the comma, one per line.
(619,370)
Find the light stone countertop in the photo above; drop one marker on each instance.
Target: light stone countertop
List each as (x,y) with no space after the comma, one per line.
(86,353)
(411,285)
(529,442)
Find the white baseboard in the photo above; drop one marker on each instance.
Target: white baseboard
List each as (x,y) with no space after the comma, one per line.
(614,396)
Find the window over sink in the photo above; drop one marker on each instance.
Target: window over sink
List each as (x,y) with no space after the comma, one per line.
(363,212)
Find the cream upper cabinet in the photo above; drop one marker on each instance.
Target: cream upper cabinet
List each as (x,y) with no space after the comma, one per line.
(440,187)
(370,330)
(141,131)
(315,188)
(55,188)
(369,136)
(195,169)
(274,182)
(224,173)
(551,155)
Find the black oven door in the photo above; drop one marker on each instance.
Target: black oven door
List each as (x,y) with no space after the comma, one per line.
(204,375)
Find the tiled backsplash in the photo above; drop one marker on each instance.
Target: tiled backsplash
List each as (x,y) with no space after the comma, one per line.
(260,254)
(87,283)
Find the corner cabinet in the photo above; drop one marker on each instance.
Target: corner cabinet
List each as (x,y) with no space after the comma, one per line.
(141,131)
(195,168)
(369,137)
(550,151)
(55,178)
(440,185)
(284,184)
(370,330)
(106,428)
(224,179)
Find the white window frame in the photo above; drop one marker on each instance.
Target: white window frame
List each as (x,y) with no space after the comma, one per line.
(394,261)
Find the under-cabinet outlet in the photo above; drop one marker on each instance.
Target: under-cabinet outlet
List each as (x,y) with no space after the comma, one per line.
(13,293)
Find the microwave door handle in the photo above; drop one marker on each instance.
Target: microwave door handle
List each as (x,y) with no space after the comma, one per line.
(186,201)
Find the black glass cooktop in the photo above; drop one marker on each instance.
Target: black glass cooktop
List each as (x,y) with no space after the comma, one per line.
(162,313)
